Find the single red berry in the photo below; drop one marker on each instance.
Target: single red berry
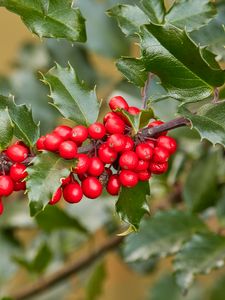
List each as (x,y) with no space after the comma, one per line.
(110,115)
(6,185)
(144,175)
(18,172)
(142,165)
(19,186)
(65,181)
(68,150)
(167,142)
(107,154)
(97,131)
(117,142)
(157,123)
(150,143)
(96,167)
(40,143)
(1,207)
(128,160)
(56,197)
(52,142)
(134,110)
(17,152)
(113,185)
(157,168)
(161,155)
(83,162)
(118,102)
(144,151)
(115,126)
(129,143)
(63,131)
(92,187)
(72,193)
(79,134)
(128,178)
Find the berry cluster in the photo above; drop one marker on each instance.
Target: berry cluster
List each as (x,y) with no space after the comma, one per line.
(110,156)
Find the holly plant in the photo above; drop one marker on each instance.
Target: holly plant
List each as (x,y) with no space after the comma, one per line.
(130,146)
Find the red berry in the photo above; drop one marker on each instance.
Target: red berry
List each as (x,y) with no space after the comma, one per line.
(107,154)
(19,186)
(161,155)
(40,143)
(17,172)
(129,143)
(115,125)
(6,185)
(56,197)
(72,193)
(97,131)
(157,168)
(68,150)
(142,165)
(118,102)
(83,162)
(82,176)
(63,131)
(52,142)
(128,178)
(117,142)
(110,115)
(150,143)
(65,181)
(128,160)
(144,175)
(96,167)
(157,123)
(79,134)
(17,152)
(144,151)
(134,110)
(92,188)
(167,142)
(113,185)
(1,207)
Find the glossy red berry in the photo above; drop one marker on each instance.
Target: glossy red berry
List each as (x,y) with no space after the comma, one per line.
(144,151)
(129,143)
(97,131)
(107,154)
(6,185)
(17,152)
(40,143)
(82,165)
(110,115)
(18,172)
(117,142)
(79,134)
(150,143)
(1,207)
(19,186)
(56,197)
(63,131)
(118,102)
(134,110)
(157,123)
(128,160)
(115,126)
(52,142)
(144,175)
(96,167)
(161,155)
(167,142)
(142,165)
(65,181)
(128,178)
(113,185)
(92,188)
(68,150)
(72,193)
(157,168)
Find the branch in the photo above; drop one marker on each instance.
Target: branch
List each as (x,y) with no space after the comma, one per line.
(74,267)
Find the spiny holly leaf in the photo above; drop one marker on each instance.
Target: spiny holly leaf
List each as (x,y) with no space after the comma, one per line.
(50,18)
(132,204)
(209,122)
(199,255)
(71,97)
(95,284)
(44,178)
(25,128)
(161,235)
(6,128)
(191,14)
(154,9)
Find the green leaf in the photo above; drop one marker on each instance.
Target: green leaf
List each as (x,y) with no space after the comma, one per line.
(95,284)
(52,18)
(218,289)
(200,189)
(44,178)
(161,235)
(71,97)
(6,128)
(191,14)
(220,207)
(132,204)
(199,255)
(187,72)
(209,122)
(154,9)
(25,128)
(53,218)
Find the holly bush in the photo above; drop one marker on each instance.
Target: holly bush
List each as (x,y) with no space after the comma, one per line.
(128,154)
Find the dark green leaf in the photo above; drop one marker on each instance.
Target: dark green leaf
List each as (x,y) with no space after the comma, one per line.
(44,179)
(71,97)
(132,203)
(199,255)
(95,284)
(54,18)
(154,9)
(161,235)
(220,207)
(6,128)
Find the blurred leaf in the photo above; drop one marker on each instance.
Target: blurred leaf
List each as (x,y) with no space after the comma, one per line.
(57,19)
(220,207)
(132,203)
(154,9)
(144,267)
(161,235)
(218,289)
(44,179)
(6,128)
(200,254)
(71,97)
(95,285)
